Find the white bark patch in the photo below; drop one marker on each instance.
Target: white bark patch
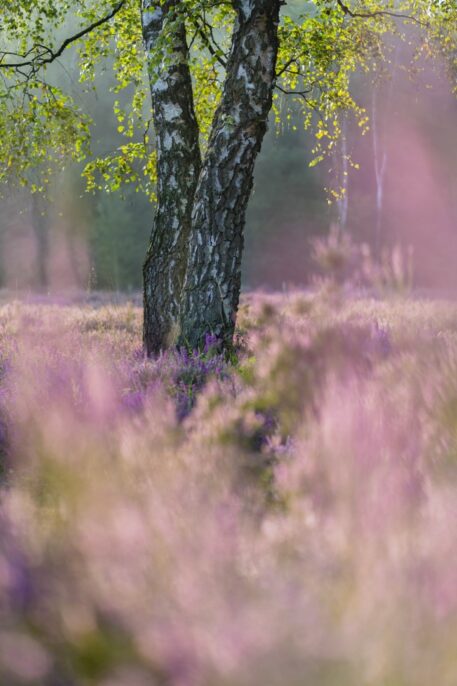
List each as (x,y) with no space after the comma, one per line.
(171,140)
(151,15)
(154,16)
(170,277)
(246,8)
(171,111)
(159,86)
(242,74)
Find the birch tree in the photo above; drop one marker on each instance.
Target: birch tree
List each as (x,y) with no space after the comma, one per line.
(201,80)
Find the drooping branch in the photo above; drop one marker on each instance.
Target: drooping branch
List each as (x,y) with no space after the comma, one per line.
(205,32)
(47,54)
(378,13)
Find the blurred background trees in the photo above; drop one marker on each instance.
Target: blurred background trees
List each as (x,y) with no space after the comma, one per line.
(401,189)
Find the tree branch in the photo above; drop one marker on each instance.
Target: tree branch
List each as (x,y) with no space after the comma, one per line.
(40,60)
(378,13)
(209,41)
(211,49)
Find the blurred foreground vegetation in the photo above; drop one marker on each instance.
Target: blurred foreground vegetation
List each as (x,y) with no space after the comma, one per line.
(286,516)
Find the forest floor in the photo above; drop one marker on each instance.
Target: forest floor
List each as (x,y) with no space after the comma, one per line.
(283,517)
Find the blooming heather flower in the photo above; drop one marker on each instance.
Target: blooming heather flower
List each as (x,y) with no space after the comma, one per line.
(286,518)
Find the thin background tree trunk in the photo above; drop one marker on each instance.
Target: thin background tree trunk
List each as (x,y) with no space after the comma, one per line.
(40,227)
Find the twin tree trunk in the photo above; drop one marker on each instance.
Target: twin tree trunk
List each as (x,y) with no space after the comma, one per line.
(192,272)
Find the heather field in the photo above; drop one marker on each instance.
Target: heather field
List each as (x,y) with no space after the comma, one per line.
(282,516)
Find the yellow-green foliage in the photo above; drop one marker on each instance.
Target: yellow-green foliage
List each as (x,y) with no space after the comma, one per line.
(322,45)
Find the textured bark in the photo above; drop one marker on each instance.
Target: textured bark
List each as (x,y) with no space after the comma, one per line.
(178,169)
(212,284)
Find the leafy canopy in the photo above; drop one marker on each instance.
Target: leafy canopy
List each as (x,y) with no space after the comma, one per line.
(323,43)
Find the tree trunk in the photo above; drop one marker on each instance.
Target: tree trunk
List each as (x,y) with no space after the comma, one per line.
(40,227)
(212,283)
(178,168)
